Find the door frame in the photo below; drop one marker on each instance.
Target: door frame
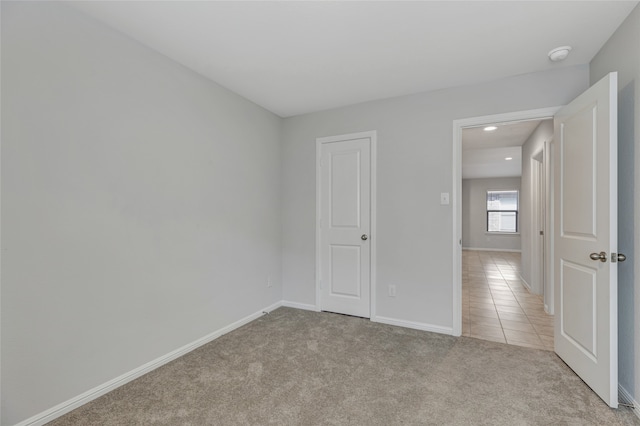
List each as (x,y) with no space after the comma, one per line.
(537,221)
(548,228)
(373,236)
(458,125)
(543,283)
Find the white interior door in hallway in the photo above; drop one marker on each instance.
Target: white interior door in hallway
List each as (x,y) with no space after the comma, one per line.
(345,223)
(585,237)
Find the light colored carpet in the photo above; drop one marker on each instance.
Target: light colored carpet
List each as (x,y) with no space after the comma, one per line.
(294,367)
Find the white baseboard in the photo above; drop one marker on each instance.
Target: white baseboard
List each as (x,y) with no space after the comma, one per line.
(305,306)
(626,398)
(90,395)
(526,284)
(415,325)
(383,320)
(491,249)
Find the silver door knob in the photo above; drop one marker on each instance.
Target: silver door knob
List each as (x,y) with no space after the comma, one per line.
(618,257)
(364,237)
(602,256)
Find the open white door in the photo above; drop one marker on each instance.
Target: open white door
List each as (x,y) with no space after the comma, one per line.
(585,240)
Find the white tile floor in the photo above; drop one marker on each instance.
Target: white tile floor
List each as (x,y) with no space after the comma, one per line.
(496,305)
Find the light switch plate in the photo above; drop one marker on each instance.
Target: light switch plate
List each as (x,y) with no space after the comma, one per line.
(444,198)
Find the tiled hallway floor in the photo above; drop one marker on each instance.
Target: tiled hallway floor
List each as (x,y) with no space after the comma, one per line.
(496,305)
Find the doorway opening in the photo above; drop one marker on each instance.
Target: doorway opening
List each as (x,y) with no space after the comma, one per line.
(500,210)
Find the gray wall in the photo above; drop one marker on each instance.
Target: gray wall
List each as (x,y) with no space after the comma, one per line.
(535,142)
(414,233)
(474,214)
(140,206)
(622,54)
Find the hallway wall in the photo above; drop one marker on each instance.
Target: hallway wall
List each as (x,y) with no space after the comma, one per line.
(533,144)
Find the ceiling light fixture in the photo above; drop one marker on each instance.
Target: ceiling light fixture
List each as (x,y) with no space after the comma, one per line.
(490,128)
(508,158)
(559,53)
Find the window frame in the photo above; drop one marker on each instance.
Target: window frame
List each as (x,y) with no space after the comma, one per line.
(516,212)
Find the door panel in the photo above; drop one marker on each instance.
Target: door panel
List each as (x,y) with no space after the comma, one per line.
(345,189)
(585,210)
(345,271)
(578,141)
(578,313)
(345,217)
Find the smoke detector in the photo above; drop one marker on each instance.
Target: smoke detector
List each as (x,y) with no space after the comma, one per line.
(559,53)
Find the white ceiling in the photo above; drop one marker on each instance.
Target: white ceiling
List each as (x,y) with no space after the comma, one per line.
(506,134)
(491,163)
(299,57)
(484,153)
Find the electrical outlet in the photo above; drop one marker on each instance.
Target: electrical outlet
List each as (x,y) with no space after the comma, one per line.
(269,282)
(392,290)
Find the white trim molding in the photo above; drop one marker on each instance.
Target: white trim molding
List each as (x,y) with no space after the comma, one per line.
(372,135)
(303,306)
(415,325)
(458,125)
(625,397)
(88,396)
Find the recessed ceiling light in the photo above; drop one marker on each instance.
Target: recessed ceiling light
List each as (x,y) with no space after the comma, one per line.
(559,53)
(508,158)
(490,128)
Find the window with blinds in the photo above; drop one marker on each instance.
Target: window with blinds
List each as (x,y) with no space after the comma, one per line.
(502,211)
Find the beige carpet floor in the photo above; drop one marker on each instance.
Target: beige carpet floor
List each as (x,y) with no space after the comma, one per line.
(294,367)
